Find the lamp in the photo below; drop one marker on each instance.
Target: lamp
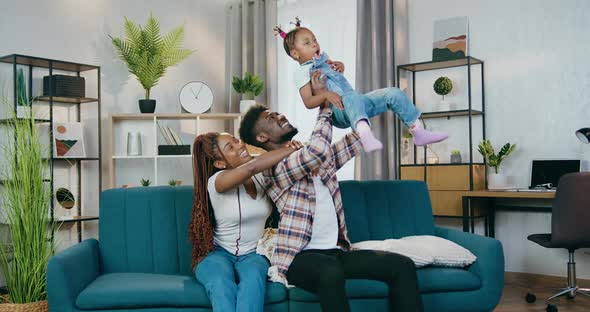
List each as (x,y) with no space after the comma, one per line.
(584,135)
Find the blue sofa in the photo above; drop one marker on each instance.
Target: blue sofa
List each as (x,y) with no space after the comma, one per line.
(142,261)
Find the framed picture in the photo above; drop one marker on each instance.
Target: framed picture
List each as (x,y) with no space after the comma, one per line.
(450,39)
(68,139)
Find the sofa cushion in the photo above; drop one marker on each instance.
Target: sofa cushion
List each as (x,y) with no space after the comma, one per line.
(435,279)
(141,290)
(430,279)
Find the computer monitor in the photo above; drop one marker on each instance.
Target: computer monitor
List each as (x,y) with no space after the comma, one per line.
(549,171)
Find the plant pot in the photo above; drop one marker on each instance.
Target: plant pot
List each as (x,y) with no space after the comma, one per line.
(444,106)
(39,306)
(147,106)
(246,104)
(455,159)
(497,181)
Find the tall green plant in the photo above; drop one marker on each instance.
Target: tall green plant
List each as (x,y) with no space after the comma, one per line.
(25,211)
(251,85)
(147,53)
(492,159)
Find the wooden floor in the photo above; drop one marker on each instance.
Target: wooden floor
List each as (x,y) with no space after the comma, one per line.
(517,285)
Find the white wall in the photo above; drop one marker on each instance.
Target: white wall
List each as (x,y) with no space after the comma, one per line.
(537,88)
(336,34)
(78,31)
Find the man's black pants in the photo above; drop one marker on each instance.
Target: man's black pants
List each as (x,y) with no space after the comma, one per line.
(324,272)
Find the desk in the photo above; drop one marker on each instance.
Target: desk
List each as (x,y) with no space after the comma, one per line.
(491,197)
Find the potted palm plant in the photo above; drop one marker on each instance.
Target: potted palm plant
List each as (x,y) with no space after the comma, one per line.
(496,180)
(250,86)
(27,245)
(148,54)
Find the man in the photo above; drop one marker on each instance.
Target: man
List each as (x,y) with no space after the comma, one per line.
(313,249)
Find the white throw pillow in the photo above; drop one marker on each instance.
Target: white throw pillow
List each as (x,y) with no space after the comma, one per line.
(424,250)
(419,256)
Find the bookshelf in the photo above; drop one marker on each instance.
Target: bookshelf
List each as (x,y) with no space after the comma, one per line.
(149,164)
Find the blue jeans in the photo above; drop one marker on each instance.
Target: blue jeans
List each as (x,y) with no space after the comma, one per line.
(364,106)
(234,283)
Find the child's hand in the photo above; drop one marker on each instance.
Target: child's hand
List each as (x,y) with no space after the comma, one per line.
(337,66)
(335,99)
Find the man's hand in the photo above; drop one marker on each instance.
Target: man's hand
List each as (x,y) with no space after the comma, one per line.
(318,85)
(335,99)
(294,144)
(337,66)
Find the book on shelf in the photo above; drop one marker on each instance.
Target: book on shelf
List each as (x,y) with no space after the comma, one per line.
(169,135)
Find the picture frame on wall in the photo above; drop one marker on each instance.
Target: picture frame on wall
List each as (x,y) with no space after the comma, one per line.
(451,39)
(68,140)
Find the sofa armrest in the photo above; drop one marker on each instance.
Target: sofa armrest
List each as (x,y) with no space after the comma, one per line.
(69,272)
(489,265)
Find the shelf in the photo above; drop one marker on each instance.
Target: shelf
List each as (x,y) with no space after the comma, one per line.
(441,164)
(73,158)
(449,114)
(44,63)
(68,219)
(66,99)
(9,120)
(424,66)
(208,116)
(152,157)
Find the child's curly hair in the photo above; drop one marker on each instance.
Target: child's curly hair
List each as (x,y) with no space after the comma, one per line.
(289,38)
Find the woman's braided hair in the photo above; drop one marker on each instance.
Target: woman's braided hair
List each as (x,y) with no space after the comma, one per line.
(203,220)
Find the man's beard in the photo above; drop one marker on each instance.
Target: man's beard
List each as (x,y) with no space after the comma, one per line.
(289,135)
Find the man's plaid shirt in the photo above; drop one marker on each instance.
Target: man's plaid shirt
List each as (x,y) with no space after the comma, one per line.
(293,191)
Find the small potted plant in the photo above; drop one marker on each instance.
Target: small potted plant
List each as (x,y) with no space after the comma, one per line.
(443,86)
(145,182)
(250,86)
(148,54)
(456,157)
(496,180)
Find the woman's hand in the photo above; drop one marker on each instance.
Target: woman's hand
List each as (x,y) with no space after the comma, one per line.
(337,66)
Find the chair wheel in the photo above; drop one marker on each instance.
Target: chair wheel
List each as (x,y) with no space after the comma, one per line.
(551,308)
(530,298)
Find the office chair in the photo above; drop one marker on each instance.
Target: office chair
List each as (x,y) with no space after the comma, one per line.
(569,225)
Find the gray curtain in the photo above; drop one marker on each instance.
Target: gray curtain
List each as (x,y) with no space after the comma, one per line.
(251,47)
(382,44)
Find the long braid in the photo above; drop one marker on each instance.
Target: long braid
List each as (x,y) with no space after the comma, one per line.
(203,220)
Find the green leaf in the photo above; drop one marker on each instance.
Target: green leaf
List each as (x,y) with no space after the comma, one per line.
(250,84)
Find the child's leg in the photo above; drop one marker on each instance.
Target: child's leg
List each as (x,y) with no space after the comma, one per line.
(395,100)
(355,108)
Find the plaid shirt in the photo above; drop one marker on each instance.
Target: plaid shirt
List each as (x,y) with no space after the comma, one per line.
(293,191)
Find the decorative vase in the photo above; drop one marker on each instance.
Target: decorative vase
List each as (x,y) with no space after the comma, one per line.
(246,104)
(147,106)
(456,158)
(134,143)
(497,181)
(444,105)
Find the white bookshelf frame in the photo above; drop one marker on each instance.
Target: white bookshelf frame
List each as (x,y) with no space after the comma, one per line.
(197,118)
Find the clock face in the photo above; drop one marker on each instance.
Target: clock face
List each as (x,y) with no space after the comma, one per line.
(196,97)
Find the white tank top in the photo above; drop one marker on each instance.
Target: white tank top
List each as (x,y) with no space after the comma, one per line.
(227,216)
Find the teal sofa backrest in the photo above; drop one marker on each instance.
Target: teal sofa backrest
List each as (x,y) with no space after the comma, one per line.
(377,210)
(145,229)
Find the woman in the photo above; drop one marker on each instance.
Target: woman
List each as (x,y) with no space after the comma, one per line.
(229,213)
